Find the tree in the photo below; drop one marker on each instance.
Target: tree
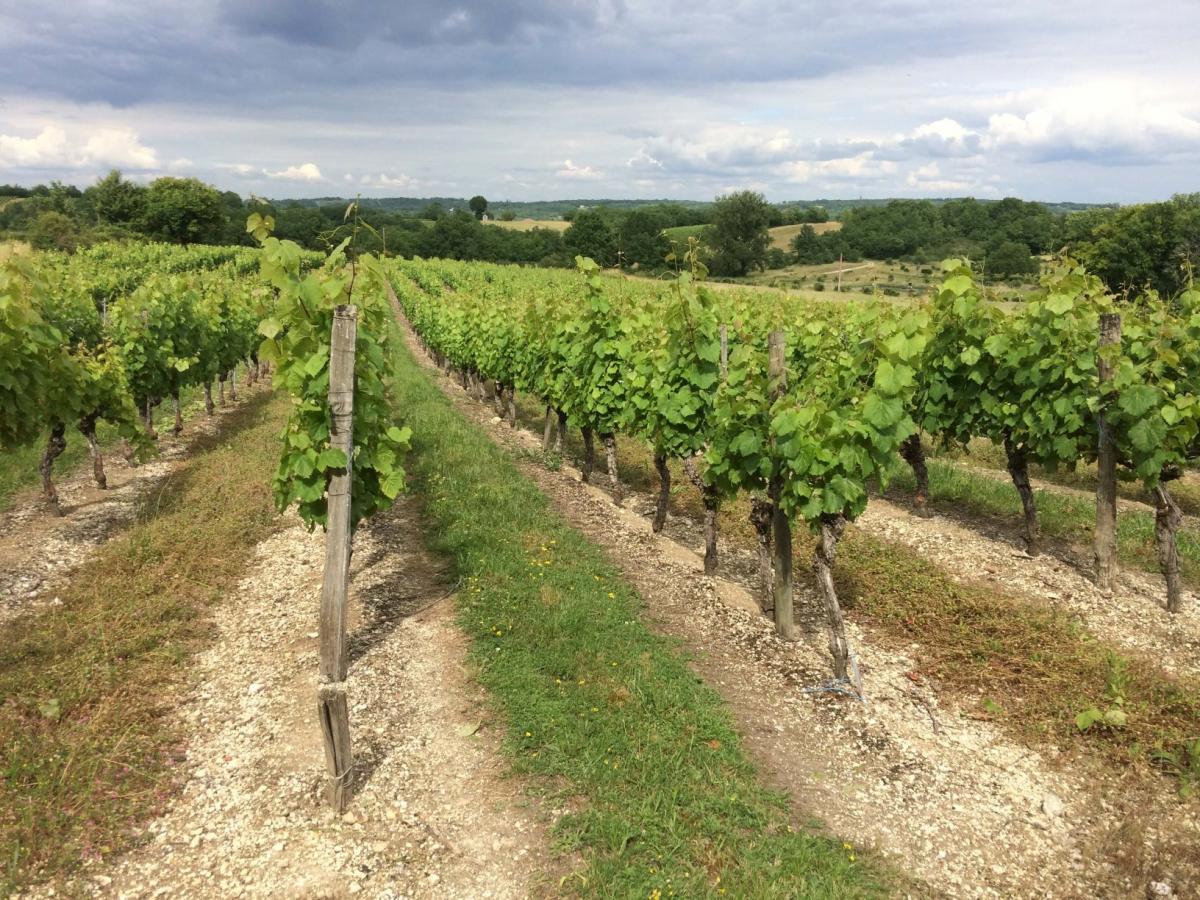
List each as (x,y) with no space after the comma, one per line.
(641,239)
(807,248)
(739,237)
(1150,245)
(591,235)
(478,205)
(54,231)
(115,200)
(184,211)
(1007,259)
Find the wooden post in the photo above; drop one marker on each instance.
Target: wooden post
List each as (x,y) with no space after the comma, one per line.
(1106,459)
(331,692)
(781,562)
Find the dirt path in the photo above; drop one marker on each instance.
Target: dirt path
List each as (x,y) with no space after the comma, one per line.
(951,800)
(38,550)
(433,814)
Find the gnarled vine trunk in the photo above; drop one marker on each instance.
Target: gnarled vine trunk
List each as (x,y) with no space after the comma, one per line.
(233,385)
(839,648)
(762,513)
(548,429)
(708,495)
(221,379)
(1167,519)
(178,427)
(148,419)
(610,456)
(589,455)
(56,444)
(208,401)
(560,435)
(510,398)
(913,453)
(664,492)
(87,427)
(1018,469)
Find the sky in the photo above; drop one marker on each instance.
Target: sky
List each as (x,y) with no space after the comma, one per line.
(1095,101)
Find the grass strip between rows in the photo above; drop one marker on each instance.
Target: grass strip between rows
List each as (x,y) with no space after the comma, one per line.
(664,802)
(86,740)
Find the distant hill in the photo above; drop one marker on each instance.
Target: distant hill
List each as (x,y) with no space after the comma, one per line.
(545,210)
(531,209)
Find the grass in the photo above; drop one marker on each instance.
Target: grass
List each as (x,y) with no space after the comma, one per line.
(19,467)
(530,224)
(86,742)
(985,454)
(1020,663)
(782,235)
(664,802)
(1063,516)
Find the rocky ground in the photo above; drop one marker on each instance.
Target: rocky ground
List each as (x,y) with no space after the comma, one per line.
(433,814)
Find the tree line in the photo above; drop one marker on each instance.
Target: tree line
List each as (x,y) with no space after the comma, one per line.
(1147,245)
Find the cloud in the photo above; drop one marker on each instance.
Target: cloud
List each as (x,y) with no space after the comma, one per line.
(928,179)
(54,148)
(1120,122)
(578,173)
(393,183)
(349,24)
(303,172)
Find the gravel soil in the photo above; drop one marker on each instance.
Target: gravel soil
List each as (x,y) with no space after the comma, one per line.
(433,813)
(951,800)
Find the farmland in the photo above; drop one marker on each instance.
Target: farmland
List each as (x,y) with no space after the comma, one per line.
(596,502)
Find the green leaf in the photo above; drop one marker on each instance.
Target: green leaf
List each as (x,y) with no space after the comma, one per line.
(315,364)
(331,458)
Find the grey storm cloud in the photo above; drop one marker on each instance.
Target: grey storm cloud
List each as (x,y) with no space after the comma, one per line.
(333,23)
(632,97)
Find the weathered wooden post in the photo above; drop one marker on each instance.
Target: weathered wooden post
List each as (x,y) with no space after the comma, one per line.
(331,691)
(781,563)
(1106,461)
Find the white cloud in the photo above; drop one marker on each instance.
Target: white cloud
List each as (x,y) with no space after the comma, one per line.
(181,164)
(578,173)
(862,166)
(303,172)
(928,179)
(399,182)
(1096,119)
(53,147)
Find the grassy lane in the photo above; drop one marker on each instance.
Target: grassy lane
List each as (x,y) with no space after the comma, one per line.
(664,801)
(86,744)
